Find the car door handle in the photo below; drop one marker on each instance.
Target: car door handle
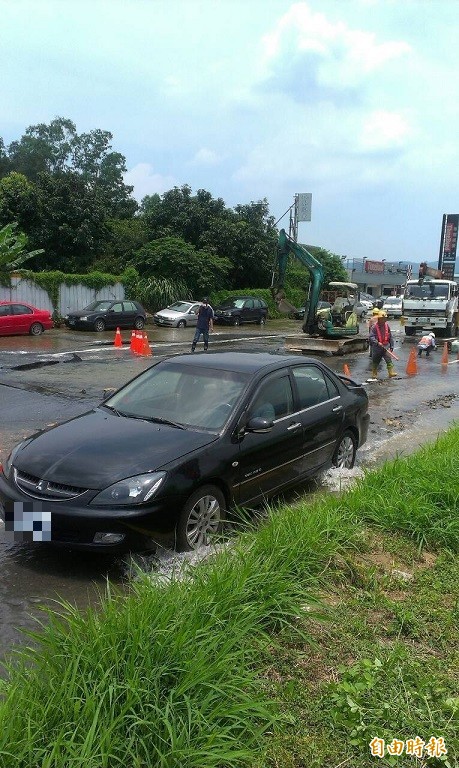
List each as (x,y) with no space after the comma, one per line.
(296,425)
(337,408)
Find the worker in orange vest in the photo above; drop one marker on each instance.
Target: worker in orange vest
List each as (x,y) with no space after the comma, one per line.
(382,342)
(427,343)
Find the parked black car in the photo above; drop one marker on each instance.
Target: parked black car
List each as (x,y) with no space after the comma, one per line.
(179,445)
(103,315)
(241,309)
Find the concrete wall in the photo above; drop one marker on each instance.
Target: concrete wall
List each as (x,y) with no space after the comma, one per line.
(70,296)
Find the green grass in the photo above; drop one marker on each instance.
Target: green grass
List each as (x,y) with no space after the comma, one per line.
(292,648)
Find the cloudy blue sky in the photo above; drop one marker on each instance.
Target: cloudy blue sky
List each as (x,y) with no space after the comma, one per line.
(355,101)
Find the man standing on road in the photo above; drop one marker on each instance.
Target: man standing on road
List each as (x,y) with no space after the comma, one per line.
(382,343)
(204,325)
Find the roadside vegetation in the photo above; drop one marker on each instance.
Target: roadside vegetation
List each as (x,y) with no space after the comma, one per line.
(331,623)
(65,196)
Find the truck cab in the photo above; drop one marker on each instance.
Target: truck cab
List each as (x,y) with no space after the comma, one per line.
(430,304)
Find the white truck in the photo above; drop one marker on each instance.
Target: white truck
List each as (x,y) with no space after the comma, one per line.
(430,304)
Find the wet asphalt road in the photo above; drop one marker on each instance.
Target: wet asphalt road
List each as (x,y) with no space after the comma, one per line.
(64,373)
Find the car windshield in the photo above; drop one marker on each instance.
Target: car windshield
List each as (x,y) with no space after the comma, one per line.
(98,306)
(393,300)
(233,303)
(187,395)
(180,306)
(427,291)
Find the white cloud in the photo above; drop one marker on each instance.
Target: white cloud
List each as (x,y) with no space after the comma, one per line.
(145,182)
(383,130)
(205,157)
(343,56)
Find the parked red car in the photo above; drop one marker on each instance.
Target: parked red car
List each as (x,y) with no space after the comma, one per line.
(18,317)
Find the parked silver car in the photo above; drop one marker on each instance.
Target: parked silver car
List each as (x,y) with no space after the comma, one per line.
(178,315)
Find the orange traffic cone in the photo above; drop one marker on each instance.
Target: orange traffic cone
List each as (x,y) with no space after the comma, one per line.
(138,343)
(412,365)
(118,341)
(346,370)
(133,340)
(444,357)
(146,349)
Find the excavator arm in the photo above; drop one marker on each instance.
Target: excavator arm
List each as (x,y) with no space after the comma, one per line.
(285,247)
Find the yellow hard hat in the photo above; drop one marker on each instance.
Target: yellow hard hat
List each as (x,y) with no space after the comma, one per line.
(375,311)
(381,313)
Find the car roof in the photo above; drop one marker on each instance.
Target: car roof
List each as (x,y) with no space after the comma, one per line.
(240,362)
(17,301)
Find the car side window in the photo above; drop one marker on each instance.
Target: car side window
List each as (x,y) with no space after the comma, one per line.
(21,309)
(274,399)
(5,309)
(128,307)
(248,304)
(116,307)
(311,385)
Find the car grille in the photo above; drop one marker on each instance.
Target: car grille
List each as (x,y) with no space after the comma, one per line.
(45,489)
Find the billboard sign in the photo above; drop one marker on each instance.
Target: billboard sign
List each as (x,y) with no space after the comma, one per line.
(304,206)
(448,245)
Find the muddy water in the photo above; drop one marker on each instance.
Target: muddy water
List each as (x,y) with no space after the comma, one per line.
(405,413)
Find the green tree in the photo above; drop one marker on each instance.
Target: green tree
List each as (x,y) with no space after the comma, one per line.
(44,148)
(173,258)
(71,223)
(13,251)
(18,201)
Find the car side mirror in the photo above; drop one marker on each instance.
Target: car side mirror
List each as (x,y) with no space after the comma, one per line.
(259,425)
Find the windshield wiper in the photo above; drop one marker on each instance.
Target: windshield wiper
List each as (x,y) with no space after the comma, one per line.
(159,420)
(155,419)
(111,408)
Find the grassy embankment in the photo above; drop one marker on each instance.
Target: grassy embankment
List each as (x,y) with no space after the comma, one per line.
(293,648)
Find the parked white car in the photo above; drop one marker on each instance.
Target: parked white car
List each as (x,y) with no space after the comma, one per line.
(178,315)
(393,306)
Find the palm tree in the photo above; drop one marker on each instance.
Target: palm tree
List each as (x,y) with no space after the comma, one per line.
(13,251)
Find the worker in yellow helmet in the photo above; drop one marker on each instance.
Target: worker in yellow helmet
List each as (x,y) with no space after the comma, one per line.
(382,342)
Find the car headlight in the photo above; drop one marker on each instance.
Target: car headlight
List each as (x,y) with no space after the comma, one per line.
(131,490)
(227,314)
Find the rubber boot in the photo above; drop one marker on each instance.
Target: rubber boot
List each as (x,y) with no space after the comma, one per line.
(391,370)
(193,347)
(419,352)
(374,372)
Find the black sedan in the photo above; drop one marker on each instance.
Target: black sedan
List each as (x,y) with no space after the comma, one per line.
(104,315)
(180,445)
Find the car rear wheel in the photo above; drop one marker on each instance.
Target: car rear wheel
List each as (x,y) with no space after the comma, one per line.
(99,325)
(262,320)
(36,329)
(139,323)
(345,451)
(236,321)
(201,518)
(181,324)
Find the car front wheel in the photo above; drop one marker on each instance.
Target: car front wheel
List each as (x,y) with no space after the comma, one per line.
(36,329)
(236,321)
(181,324)
(99,325)
(262,320)
(345,451)
(201,518)
(139,323)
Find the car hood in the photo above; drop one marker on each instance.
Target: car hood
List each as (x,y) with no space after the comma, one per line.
(169,313)
(99,448)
